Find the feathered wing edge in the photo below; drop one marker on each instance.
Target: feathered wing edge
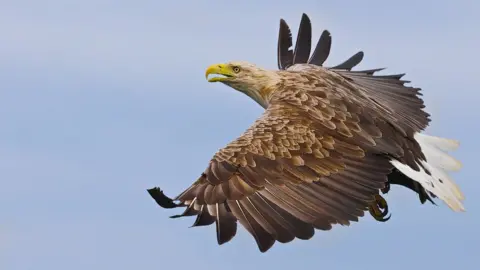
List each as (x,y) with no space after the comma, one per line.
(283,213)
(300,55)
(425,161)
(287,58)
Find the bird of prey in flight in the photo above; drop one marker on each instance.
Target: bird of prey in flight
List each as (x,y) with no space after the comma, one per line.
(328,143)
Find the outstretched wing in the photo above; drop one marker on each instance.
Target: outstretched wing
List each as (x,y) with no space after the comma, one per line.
(383,82)
(288,174)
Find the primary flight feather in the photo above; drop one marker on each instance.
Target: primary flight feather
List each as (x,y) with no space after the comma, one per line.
(320,153)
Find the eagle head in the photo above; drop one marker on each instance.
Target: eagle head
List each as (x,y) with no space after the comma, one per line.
(247,78)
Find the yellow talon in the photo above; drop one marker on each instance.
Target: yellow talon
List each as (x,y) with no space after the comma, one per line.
(381,202)
(379,209)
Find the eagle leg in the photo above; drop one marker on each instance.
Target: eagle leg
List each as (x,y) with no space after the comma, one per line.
(386,189)
(379,209)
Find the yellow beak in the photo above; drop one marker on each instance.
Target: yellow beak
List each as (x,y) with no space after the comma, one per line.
(219,69)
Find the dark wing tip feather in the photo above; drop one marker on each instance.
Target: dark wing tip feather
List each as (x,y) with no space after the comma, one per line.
(284,53)
(322,50)
(368,71)
(303,45)
(203,218)
(161,199)
(350,62)
(226,225)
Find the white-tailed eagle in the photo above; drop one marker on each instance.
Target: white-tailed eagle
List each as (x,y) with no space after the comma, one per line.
(329,141)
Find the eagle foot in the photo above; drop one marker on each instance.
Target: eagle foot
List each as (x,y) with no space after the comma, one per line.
(379,209)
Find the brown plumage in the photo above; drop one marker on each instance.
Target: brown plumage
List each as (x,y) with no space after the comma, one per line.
(319,55)
(318,156)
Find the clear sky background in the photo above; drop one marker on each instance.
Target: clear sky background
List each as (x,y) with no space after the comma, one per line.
(100,100)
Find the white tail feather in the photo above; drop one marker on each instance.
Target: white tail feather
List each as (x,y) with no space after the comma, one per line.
(437,163)
(441,143)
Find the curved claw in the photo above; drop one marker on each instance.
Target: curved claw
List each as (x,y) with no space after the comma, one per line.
(379,209)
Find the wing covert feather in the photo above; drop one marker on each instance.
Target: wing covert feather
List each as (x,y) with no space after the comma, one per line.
(290,173)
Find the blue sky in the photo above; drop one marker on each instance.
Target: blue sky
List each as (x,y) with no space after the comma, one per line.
(100,100)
